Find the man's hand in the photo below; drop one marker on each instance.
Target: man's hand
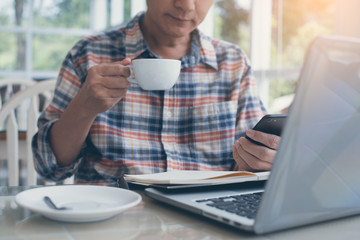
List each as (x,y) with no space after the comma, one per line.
(252,157)
(105,85)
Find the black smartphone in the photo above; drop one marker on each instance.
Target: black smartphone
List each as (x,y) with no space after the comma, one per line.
(271,124)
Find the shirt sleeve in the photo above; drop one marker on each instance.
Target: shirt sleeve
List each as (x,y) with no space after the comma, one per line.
(67,86)
(250,107)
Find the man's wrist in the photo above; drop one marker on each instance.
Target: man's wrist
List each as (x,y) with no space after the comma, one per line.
(236,167)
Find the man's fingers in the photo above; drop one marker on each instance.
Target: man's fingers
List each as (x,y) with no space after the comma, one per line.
(108,93)
(111,69)
(241,164)
(125,61)
(115,82)
(260,152)
(251,158)
(269,140)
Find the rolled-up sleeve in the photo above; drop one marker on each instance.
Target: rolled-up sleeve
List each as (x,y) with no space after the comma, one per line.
(67,86)
(45,161)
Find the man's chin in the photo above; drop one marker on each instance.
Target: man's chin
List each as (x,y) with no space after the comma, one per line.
(179,32)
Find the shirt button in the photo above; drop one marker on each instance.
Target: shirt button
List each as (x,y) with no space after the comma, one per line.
(192,59)
(168,114)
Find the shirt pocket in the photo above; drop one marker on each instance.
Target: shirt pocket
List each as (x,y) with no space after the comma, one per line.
(212,133)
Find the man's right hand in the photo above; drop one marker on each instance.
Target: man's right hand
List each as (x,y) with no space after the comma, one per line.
(105,85)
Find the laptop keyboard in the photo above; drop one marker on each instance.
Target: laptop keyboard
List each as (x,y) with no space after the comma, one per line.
(244,205)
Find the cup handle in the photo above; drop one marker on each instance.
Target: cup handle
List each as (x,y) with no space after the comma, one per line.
(131,78)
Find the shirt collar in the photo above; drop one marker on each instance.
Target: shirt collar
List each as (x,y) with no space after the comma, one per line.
(135,43)
(201,50)
(207,50)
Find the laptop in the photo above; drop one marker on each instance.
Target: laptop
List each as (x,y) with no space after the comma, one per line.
(315,176)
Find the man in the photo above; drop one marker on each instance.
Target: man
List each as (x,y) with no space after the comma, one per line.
(99,126)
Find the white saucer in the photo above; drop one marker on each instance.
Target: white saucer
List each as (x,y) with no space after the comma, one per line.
(86,203)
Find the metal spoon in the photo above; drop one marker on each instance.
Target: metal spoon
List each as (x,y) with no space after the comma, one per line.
(52,205)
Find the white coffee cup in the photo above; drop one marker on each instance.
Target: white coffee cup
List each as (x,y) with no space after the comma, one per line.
(154,73)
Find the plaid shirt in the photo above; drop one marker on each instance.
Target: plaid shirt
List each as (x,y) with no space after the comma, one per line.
(192,126)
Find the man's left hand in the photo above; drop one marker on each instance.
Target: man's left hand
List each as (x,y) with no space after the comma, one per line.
(253,157)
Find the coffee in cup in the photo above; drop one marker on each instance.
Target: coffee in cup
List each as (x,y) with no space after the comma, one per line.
(154,73)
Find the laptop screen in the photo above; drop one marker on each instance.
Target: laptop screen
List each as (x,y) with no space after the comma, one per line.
(315,175)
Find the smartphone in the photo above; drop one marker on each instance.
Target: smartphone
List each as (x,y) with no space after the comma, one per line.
(271,124)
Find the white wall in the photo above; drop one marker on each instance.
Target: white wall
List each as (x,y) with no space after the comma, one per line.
(347,18)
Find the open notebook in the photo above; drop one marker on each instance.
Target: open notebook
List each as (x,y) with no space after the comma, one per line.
(191,178)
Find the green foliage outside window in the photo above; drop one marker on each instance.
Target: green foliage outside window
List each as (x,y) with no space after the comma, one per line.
(8,51)
(62,13)
(232,23)
(50,51)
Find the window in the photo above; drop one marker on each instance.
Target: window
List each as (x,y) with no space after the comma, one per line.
(275,34)
(35,35)
(295,24)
